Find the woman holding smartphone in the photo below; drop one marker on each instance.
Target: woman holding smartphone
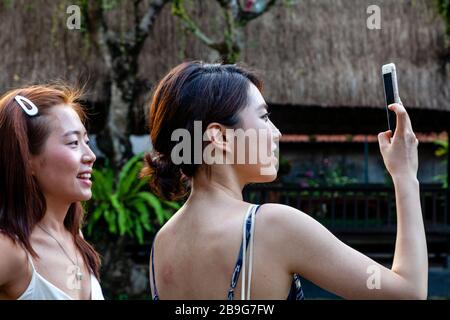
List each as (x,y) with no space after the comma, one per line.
(45,168)
(197,254)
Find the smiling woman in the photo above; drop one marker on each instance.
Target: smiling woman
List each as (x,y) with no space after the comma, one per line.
(45,169)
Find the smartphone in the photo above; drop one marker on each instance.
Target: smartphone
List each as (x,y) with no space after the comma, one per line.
(390,92)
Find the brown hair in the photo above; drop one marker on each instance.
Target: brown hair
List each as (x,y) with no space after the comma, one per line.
(22,204)
(192,91)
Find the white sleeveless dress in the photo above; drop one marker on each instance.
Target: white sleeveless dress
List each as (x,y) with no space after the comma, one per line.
(41,289)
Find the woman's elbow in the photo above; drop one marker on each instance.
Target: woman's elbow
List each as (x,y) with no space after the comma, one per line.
(415,294)
(422,295)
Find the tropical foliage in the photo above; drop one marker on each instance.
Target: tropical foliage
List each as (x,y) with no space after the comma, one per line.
(124,205)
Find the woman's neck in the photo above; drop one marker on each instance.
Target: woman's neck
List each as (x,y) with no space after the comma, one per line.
(221,184)
(55,215)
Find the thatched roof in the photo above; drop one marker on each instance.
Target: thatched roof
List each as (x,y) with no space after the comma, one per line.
(314,53)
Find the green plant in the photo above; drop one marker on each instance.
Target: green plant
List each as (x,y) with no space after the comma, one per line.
(443,9)
(8,3)
(441,151)
(124,204)
(284,169)
(325,175)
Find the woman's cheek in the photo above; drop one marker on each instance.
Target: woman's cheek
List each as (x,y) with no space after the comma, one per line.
(65,159)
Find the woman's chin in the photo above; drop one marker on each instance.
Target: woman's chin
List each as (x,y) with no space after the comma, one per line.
(267,174)
(85,196)
(271,178)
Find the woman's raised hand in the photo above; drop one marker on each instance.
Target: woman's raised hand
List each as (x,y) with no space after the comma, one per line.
(400,151)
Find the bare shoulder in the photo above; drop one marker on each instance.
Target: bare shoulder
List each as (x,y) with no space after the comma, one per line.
(282,222)
(288,223)
(169,228)
(9,247)
(15,259)
(289,230)
(275,214)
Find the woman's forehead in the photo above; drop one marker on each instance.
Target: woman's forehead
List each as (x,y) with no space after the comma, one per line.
(255,99)
(65,119)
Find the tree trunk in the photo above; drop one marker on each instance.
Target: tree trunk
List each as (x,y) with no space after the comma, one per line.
(114,139)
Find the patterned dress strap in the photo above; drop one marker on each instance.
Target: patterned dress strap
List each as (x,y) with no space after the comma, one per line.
(238,266)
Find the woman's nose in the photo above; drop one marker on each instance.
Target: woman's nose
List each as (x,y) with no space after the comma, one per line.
(89,155)
(276,132)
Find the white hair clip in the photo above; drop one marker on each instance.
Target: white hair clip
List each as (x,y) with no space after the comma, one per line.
(32,110)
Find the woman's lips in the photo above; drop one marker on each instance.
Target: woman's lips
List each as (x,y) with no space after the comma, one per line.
(86,182)
(85,178)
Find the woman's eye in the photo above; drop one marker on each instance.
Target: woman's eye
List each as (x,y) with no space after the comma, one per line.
(88,142)
(73,143)
(266,116)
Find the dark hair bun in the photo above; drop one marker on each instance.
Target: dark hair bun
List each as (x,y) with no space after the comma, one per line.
(166,179)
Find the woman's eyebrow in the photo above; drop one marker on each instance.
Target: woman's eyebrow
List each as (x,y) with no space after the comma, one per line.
(76,132)
(263,106)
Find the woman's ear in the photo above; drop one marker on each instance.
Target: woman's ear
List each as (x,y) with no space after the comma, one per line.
(33,162)
(216,134)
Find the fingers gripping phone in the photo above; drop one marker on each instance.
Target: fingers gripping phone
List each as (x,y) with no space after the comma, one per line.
(390,92)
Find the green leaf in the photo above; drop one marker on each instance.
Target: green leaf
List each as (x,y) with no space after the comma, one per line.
(172,204)
(89,229)
(155,203)
(440,152)
(102,184)
(122,222)
(132,177)
(125,172)
(110,219)
(95,216)
(121,214)
(139,233)
(144,215)
(140,185)
(97,213)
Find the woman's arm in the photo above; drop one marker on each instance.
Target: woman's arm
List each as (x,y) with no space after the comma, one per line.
(401,160)
(316,254)
(13,261)
(411,254)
